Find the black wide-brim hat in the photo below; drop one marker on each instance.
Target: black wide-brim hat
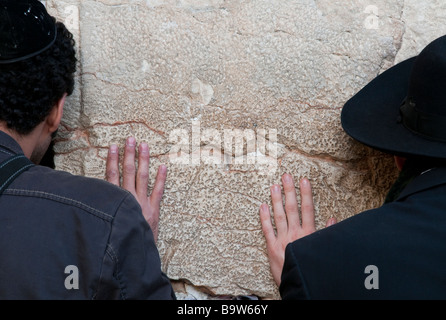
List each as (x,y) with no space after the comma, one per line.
(403,110)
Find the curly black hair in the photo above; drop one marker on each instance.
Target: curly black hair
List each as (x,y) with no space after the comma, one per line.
(29,89)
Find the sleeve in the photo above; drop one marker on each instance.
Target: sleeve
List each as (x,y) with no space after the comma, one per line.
(292,285)
(132,265)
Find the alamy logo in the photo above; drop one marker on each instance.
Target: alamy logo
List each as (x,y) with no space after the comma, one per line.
(372,20)
(72,280)
(372,280)
(256,149)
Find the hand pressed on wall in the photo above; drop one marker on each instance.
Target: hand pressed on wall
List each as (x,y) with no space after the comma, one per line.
(136,180)
(288,221)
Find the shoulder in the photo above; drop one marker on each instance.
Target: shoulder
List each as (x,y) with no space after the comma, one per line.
(358,230)
(91,194)
(332,262)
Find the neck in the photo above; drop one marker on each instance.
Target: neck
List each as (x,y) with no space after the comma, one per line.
(27,142)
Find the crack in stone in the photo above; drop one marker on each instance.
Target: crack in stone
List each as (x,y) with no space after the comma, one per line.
(121,84)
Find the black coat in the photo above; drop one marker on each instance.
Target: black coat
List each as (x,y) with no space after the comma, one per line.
(397,251)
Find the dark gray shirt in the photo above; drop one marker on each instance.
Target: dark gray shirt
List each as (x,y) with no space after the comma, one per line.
(71,237)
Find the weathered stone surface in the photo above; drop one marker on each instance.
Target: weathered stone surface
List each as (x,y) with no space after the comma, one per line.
(185,75)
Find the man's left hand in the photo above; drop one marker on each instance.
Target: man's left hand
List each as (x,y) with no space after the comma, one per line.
(136,180)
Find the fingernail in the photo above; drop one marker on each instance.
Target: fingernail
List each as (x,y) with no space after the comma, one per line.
(331,220)
(263,207)
(144,147)
(305,181)
(113,148)
(287,177)
(163,168)
(276,188)
(131,142)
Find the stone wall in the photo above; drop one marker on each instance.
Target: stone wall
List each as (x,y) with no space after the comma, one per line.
(187,76)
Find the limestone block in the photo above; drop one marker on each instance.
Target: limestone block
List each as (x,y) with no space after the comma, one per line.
(230,95)
(424,22)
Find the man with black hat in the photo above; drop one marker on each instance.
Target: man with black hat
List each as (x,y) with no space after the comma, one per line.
(64,236)
(396,251)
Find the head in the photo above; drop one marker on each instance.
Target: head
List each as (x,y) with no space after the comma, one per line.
(402,110)
(33,92)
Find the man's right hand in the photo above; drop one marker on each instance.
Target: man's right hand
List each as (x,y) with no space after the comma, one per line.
(288,221)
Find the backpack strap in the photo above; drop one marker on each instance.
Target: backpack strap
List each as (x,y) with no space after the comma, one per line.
(11,168)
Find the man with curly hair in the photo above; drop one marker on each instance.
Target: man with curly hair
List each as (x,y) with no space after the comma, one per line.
(64,236)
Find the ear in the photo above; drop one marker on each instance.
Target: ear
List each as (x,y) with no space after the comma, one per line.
(55,117)
(399,161)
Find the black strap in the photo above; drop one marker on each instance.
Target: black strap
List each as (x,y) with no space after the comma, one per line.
(11,168)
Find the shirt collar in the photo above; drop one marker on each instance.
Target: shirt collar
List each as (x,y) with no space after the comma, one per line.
(428,179)
(8,144)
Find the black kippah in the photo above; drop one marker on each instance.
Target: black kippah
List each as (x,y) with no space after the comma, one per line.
(26,29)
